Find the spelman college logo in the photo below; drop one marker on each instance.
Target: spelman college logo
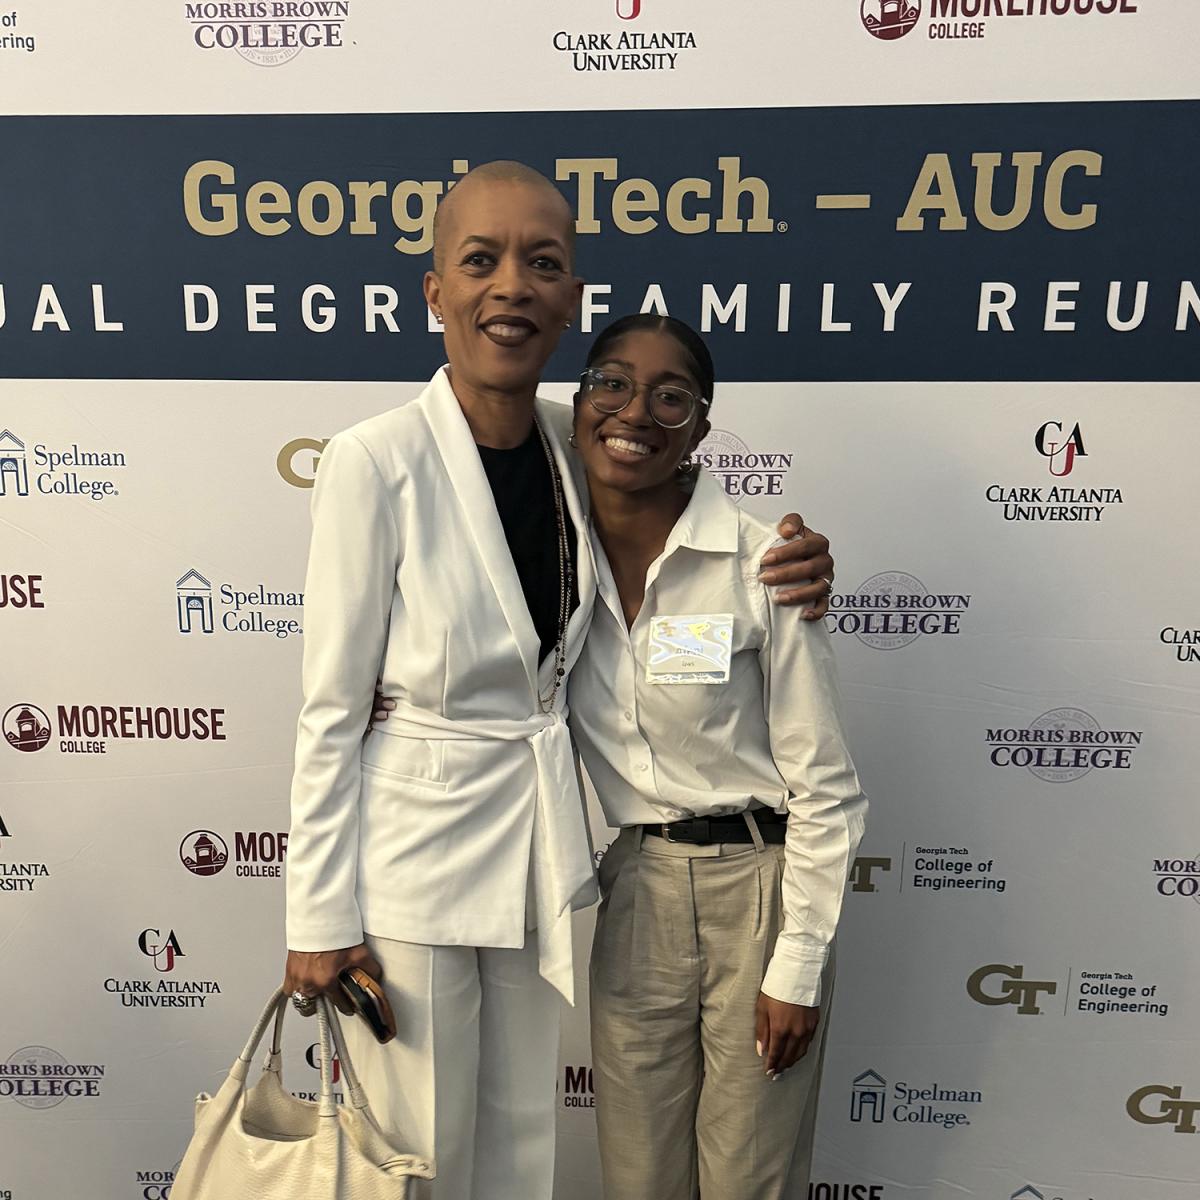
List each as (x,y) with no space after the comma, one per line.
(872,1101)
(242,609)
(889,19)
(56,470)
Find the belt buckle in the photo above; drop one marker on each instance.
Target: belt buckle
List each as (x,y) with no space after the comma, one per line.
(699,832)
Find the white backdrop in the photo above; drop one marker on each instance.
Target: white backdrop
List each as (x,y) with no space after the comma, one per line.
(1030,1036)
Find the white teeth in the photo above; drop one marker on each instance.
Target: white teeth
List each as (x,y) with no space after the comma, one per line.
(632,447)
(509,330)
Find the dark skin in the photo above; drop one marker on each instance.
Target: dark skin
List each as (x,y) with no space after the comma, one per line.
(633,478)
(505,289)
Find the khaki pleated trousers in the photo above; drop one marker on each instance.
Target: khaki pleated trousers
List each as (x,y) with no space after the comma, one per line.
(683,1105)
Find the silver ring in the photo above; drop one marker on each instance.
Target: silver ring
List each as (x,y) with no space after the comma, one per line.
(304,1005)
(828,583)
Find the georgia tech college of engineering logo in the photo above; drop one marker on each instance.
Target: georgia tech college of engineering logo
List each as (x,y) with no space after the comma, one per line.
(1163,1104)
(1013,988)
(889,19)
(26,727)
(893,609)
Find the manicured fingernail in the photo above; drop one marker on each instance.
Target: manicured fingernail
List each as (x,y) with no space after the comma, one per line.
(770,557)
(767,576)
(758,1049)
(790,530)
(775,1077)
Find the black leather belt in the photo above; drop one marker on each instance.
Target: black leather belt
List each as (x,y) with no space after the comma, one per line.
(705,831)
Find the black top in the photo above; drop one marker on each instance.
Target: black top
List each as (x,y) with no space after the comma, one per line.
(523,489)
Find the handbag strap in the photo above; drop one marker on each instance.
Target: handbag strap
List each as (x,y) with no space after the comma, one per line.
(330,1037)
(358,1098)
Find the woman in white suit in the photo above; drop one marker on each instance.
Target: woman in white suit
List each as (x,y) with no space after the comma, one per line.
(445,561)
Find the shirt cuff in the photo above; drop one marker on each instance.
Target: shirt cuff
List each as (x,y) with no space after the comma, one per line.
(795,979)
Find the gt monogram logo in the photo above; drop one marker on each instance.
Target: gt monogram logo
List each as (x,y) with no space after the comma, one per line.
(861,873)
(1015,988)
(1172,1108)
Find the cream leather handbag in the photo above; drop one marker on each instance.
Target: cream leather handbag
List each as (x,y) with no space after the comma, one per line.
(262,1143)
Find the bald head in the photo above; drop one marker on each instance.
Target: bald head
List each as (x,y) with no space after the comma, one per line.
(503,172)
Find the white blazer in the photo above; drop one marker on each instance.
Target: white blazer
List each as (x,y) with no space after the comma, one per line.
(430,829)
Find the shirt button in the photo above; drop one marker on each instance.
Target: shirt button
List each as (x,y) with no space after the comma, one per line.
(643,767)
(627,715)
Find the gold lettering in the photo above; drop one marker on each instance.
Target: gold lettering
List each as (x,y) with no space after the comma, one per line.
(934,170)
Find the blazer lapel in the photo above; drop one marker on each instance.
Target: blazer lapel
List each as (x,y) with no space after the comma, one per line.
(461,459)
(576,497)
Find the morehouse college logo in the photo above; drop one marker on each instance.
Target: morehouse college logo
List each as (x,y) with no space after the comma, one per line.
(741,471)
(1063,745)
(204,852)
(242,609)
(259,853)
(38,1077)
(268,33)
(892,609)
(86,728)
(26,727)
(889,19)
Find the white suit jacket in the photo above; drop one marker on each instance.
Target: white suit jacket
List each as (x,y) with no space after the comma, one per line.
(430,829)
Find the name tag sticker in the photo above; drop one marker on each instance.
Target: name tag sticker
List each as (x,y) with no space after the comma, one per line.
(691,648)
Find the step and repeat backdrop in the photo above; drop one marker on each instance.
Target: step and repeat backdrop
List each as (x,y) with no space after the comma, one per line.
(946,255)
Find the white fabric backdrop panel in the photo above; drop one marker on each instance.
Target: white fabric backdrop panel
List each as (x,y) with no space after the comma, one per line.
(1017,580)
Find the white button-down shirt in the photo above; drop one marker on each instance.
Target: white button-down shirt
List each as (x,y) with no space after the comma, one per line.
(771,735)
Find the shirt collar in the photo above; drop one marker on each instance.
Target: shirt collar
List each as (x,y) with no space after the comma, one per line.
(710,521)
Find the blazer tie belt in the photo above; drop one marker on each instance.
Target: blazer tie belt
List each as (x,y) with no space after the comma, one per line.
(563,874)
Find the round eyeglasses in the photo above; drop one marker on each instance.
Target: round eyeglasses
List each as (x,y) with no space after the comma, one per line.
(609,392)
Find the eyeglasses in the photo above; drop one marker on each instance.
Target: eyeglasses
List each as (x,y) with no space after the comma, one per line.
(609,392)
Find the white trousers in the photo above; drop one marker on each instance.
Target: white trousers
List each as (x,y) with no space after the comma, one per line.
(469,1079)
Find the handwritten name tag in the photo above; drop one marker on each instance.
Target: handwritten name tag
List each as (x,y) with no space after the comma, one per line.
(691,648)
